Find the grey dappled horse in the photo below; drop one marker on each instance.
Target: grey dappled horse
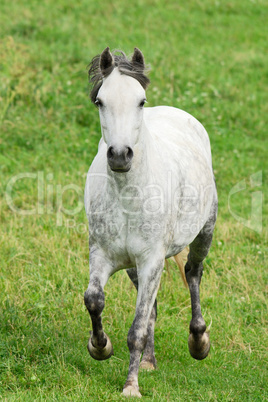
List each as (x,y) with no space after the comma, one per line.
(150,192)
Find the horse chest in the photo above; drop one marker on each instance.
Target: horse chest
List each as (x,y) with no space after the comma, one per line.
(123,229)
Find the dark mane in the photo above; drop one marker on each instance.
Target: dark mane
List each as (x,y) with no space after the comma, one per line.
(124,65)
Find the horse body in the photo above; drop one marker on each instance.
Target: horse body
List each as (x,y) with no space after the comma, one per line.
(150,205)
(150,192)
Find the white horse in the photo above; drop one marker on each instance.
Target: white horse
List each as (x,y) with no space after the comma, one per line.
(150,192)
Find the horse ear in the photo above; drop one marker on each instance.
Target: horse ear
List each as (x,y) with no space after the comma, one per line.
(106,60)
(138,58)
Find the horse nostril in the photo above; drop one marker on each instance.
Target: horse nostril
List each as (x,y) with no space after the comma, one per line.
(110,152)
(119,160)
(129,153)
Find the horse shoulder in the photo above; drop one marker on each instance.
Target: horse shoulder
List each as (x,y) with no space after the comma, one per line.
(98,201)
(178,127)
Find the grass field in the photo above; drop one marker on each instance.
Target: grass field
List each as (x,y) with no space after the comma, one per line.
(208,58)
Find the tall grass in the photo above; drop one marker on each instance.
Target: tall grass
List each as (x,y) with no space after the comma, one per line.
(208,58)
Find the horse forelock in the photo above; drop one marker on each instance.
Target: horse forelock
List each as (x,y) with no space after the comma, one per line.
(124,65)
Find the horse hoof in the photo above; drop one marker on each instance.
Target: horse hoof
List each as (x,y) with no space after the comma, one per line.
(130,390)
(100,354)
(199,345)
(145,365)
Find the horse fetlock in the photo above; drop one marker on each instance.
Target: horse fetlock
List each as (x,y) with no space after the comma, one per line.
(197,326)
(199,345)
(98,352)
(99,341)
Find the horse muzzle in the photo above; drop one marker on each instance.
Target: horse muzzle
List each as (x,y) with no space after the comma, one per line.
(120,160)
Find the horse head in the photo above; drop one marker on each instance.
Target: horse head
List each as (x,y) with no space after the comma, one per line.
(119,94)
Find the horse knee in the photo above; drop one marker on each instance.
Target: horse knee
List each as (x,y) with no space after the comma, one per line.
(197,326)
(94,299)
(137,338)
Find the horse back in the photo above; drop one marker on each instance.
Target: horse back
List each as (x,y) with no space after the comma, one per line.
(171,125)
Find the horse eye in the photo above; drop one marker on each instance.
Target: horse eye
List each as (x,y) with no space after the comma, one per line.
(142,103)
(98,103)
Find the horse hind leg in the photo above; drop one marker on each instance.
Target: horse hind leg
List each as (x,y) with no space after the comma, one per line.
(198,342)
(148,361)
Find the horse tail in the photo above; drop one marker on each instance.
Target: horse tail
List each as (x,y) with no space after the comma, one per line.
(180,259)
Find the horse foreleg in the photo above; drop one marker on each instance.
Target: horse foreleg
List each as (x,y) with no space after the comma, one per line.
(148,282)
(148,361)
(99,344)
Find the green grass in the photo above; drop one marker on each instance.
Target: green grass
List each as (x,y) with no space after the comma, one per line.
(208,58)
